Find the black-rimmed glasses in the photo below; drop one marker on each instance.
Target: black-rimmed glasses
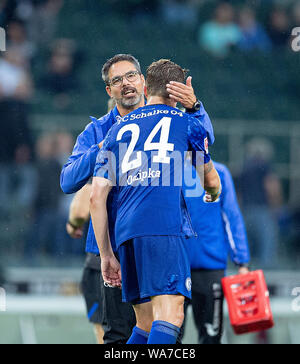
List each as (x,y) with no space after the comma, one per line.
(131,76)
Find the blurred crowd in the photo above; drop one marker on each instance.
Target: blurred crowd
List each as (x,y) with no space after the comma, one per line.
(242,25)
(33,209)
(236,26)
(241,29)
(30,164)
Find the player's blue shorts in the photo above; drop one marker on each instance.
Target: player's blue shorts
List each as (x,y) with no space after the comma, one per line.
(154,266)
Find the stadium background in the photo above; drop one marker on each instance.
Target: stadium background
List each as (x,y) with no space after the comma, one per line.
(50,83)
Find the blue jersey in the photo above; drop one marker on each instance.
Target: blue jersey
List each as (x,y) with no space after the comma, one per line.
(80,166)
(144,154)
(219,226)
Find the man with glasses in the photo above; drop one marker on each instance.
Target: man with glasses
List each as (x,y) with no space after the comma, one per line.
(125,84)
(152,219)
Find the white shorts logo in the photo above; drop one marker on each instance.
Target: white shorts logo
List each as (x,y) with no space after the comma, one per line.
(188,284)
(211,330)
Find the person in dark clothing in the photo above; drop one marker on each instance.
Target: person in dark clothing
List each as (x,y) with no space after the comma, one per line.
(260,191)
(279,28)
(43,233)
(61,79)
(15,137)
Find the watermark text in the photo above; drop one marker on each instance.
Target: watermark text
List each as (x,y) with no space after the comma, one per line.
(296,40)
(2,40)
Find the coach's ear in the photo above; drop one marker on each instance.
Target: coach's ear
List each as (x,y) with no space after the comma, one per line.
(146,92)
(108,90)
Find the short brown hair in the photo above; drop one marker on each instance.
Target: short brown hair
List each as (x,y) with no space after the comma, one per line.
(118,58)
(160,73)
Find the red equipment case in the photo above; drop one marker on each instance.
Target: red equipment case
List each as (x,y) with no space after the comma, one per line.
(248,302)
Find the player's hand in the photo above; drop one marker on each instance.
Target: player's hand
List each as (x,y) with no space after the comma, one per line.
(183,93)
(111,271)
(211,198)
(75,233)
(244,270)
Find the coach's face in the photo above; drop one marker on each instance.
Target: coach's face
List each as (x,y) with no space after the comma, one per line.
(126,84)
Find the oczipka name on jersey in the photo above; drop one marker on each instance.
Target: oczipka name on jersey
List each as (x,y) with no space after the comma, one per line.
(142,176)
(139,170)
(143,115)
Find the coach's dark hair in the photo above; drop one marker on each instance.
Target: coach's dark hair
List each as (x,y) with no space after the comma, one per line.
(116,59)
(160,73)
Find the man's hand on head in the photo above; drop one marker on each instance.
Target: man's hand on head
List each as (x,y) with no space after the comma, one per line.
(183,93)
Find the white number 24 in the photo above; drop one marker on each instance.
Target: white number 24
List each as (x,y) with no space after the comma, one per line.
(163,146)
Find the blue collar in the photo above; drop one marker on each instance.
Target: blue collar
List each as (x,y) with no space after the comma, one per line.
(115,112)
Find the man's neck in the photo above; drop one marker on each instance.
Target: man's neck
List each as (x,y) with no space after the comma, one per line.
(157,100)
(124,111)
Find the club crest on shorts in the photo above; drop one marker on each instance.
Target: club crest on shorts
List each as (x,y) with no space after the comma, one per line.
(188,284)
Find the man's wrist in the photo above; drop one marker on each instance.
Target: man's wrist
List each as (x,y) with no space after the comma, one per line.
(106,255)
(195,107)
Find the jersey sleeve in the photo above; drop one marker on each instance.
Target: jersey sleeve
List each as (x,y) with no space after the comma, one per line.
(236,235)
(204,119)
(198,140)
(80,166)
(106,161)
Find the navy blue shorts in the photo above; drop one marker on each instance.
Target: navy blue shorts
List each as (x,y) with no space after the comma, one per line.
(154,266)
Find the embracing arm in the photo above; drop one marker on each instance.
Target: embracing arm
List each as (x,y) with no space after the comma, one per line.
(211,181)
(201,159)
(80,166)
(78,170)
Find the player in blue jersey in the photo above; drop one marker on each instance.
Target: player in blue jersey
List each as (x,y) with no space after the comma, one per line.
(221,232)
(142,154)
(117,318)
(118,74)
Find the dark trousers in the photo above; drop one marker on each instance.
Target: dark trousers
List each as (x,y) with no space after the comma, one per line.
(207,303)
(119,316)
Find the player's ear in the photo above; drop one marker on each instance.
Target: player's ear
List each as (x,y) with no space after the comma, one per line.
(108,90)
(146,92)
